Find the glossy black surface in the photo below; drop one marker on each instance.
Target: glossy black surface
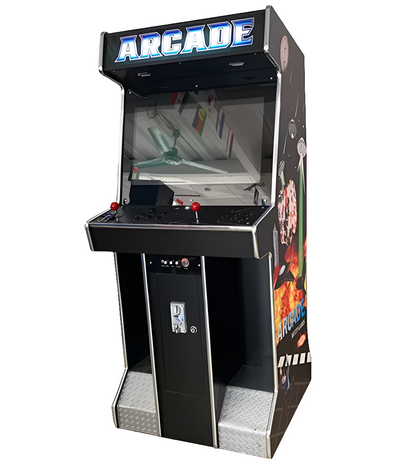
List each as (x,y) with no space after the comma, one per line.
(181,215)
(180,359)
(240,324)
(177,231)
(133,307)
(230,243)
(226,132)
(174,264)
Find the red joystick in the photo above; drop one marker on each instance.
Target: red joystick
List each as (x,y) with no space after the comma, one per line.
(114,206)
(195,207)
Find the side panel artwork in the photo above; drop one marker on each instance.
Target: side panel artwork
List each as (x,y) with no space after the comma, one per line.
(289,240)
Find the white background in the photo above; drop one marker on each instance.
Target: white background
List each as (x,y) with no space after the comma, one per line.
(60,342)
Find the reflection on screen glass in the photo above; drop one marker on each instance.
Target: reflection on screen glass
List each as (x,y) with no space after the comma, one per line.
(213,146)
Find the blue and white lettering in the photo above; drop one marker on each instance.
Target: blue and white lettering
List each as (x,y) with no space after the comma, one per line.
(154,44)
(242,31)
(302,308)
(194,40)
(290,320)
(220,35)
(150,45)
(168,47)
(128,48)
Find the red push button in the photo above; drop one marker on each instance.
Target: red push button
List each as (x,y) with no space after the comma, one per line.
(185,262)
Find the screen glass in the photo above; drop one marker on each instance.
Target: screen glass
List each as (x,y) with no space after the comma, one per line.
(212,146)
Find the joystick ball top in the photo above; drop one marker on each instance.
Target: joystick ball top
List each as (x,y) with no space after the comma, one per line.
(114,206)
(195,207)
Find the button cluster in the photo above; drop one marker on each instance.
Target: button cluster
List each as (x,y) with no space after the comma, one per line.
(170,263)
(175,263)
(239,217)
(150,214)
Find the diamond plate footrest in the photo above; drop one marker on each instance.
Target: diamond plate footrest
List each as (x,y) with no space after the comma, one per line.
(136,410)
(244,421)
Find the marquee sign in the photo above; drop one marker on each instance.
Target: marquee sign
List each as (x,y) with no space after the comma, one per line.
(222,35)
(172,42)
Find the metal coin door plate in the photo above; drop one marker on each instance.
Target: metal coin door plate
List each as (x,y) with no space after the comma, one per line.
(178,317)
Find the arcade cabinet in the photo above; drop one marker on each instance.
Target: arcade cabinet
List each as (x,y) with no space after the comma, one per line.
(208,230)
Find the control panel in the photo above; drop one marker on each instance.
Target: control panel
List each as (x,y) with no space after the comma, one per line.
(183,215)
(175,263)
(172,264)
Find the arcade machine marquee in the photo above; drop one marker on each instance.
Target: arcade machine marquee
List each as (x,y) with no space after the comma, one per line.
(209,230)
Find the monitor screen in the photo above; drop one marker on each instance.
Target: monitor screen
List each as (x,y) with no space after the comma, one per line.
(212,146)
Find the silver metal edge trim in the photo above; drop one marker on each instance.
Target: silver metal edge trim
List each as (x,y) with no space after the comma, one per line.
(266,45)
(274,348)
(101,60)
(276,138)
(274,166)
(269,426)
(117,397)
(266,29)
(152,353)
(101,70)
(254,230)
(87,229)
(97,215)
(255,225)
(101,53)
(255,244)
(175,227)
(120,163)
(208,338)
(123,338)
(274,353)
(111,79)
(271,59)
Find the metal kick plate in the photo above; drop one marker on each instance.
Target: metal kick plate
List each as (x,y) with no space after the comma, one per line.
(178,317)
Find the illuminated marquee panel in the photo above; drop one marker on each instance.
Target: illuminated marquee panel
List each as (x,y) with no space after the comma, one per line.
(170,43)
(232,35)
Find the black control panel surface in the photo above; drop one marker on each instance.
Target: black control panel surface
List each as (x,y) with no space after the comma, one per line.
(183,215)
(220,231)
